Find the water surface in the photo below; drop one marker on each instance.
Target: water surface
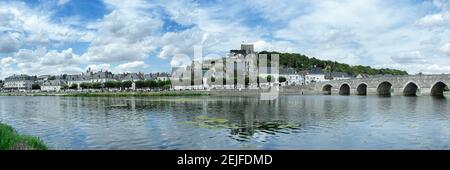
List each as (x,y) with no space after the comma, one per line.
(291,122)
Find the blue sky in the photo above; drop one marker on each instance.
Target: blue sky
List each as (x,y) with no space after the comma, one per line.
(68,36)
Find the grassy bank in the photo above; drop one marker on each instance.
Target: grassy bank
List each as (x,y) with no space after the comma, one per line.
(11,140)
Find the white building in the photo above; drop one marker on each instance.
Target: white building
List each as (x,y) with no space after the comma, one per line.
(19,82)
(52,86)
(340,76)
(359,76)
(100,76)
(315,75)
(130,77)
(241,62)
(90,77)
(77,79)
(292,76)
(162,78)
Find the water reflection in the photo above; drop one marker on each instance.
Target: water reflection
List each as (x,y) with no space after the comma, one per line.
(291,122)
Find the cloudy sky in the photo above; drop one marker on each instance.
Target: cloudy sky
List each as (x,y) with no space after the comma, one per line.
(68,36)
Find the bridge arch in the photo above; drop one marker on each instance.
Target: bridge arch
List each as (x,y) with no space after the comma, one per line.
(438,89)
(344,89)
(362,89)
(326,89)
(411,89)
(385,88)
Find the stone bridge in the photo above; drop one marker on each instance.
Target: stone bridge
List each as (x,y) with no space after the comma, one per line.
(414,85)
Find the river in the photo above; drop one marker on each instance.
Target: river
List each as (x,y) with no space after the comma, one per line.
(291,122)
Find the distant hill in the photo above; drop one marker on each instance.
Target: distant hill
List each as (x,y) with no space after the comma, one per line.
(302,62)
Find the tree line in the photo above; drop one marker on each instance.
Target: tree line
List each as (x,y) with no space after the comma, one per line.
(302,62)
(152,84)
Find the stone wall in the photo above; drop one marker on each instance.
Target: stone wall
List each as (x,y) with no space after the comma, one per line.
(398,85)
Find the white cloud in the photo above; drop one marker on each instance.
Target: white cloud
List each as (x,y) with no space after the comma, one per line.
(7,61)
(99,67)
(211,29)
(399,34)
(66,57)
(180,61)
(433,20)
(420,68)
(445,48)
(32,56)
(371,32)
(10,41)
(131,67)
(123,35)
(41,61)
(62,2)
(280,11)
(33,27)
(180,42)
(409,58)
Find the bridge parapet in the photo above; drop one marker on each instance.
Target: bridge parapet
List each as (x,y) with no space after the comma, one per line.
(393,85)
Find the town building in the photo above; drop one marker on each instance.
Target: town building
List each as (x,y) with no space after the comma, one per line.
(292,76)
(359,76)
(340,76)
(100,76)
(19,82)
(223,73)
(129,77)
(77,79)
(162,76)
(315,75)
(149,76)
(90,77)
(52,85)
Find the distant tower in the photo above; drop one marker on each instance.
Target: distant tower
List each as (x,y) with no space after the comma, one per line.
(248,48)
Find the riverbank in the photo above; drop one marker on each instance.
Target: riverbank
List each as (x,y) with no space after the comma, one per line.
(230,92)
(109,94)
(11,140)
(135,94)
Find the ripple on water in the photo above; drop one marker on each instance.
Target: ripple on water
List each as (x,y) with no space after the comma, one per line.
(292,122)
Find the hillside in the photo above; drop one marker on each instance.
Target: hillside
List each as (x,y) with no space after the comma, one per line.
(302,62)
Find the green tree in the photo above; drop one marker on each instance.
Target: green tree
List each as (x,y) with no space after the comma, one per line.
(35,86)
(140,84)
(85,85)
(96,85)
(269,78)
(281,79)
(126,84)
(64,86)
(110,84)
(302,62)
(73,86)
(166,87)
(150,84)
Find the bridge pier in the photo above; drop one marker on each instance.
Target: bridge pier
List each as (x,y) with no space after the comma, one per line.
(334,91)
(353,91)
(397,92)
(372,91)
(425,91)
(412,85)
